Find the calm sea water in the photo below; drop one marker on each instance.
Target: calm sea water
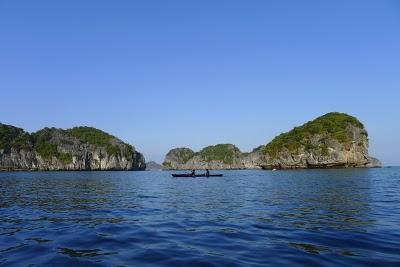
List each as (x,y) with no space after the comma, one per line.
(246,218)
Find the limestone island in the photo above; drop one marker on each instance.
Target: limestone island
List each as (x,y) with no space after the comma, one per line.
(334,140)
(79,148)
(153,166)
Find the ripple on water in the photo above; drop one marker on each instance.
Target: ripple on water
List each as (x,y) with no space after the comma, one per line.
(246,218)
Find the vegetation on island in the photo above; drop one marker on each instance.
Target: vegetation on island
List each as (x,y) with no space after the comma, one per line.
(66,158)
(99,138)
(181,155)
(13,137)
(167,164)
(333,125)
(47,149)
(91,135)
(225,153)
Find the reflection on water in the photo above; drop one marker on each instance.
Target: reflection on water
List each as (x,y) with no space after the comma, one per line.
(330,217)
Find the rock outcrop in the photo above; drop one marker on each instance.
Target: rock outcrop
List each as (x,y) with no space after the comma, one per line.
(332,140)
(255,159)
(79,148)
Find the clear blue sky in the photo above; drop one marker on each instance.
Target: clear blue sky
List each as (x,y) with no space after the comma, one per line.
(163,74)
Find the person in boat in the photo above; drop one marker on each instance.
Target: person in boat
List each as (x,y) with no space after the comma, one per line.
(207,172)
(193,173)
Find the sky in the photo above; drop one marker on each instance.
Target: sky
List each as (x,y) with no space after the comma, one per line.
(165,74)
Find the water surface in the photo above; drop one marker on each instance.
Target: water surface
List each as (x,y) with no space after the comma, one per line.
(246,218)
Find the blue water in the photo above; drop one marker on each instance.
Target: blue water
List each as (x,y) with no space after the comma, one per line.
(246,218)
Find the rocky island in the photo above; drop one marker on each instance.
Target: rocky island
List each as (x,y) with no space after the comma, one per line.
(153,166)
(332,140)
(79,148)
(222,156)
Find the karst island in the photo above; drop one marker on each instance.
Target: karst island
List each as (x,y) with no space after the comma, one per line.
(332,140)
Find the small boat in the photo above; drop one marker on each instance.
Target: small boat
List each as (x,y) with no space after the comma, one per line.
(196,175)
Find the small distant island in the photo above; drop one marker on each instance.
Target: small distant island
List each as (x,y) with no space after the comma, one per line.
(153,166)
(52,149)
(331,141)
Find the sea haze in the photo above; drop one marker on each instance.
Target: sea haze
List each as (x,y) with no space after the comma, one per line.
(246,218)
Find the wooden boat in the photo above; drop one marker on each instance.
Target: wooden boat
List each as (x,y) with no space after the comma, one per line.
(196,175)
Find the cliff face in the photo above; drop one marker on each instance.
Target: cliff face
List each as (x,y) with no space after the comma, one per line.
(332,140)
(254,159)
(80,148)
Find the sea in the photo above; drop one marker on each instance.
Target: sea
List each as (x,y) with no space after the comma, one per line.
(320,217)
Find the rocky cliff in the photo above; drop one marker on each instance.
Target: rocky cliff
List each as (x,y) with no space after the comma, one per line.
(332,140)
(79,148)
